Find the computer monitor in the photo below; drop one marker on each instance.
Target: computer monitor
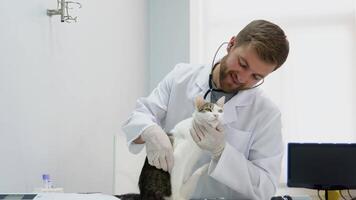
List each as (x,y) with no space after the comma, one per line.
(322,166)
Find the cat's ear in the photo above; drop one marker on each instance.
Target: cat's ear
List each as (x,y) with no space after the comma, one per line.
(199,102)
(221,101)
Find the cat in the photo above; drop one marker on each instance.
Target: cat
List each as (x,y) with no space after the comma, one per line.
(156,184)
(187,152)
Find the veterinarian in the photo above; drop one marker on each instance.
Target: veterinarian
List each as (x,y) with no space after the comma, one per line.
(245,155)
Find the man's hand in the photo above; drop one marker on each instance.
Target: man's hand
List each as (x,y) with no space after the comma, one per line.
(158,147)
(208,137)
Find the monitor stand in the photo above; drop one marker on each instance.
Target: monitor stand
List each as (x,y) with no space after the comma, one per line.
(326,195)
(332,197)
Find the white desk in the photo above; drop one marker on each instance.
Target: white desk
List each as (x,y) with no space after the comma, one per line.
(61,196)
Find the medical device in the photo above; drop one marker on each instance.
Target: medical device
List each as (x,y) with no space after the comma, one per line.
(63,10)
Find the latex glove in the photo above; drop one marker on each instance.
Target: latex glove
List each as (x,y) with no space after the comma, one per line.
(208,137)
(158,147)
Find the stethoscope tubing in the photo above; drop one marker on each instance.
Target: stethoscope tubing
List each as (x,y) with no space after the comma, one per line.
(211,75)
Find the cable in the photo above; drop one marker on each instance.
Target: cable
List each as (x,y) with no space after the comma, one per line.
(348,191)
(342,196)
(319,195)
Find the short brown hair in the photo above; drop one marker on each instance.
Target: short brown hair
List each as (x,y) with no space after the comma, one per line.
(268,39)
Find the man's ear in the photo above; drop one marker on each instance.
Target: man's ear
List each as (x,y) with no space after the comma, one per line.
(230,44)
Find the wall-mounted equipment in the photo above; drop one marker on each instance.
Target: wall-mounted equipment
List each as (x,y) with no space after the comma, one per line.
(63,8)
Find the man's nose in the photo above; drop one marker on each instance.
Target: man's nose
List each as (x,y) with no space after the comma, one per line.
(243,77)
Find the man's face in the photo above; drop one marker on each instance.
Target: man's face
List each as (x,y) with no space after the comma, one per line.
(241,68)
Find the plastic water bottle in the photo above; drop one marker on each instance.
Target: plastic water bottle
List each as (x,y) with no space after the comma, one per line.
(47,183)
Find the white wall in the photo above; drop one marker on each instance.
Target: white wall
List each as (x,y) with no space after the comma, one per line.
(65,89)
(169,37)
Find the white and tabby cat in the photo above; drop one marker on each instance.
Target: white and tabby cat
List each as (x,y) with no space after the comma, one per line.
(187,152)
(156,184)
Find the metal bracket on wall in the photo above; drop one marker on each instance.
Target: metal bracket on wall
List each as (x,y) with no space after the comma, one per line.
(63,8)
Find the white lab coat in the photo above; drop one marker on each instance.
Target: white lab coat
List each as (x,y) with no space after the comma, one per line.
(250,164)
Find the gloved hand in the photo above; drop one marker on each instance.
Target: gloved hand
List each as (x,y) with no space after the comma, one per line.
(208,137)
(158,147)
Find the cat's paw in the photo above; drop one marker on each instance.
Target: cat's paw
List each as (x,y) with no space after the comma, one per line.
(202,170)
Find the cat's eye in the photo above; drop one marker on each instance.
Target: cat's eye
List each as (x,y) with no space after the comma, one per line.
(220,110)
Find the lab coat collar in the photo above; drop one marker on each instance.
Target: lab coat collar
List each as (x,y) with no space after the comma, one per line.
(241,99)
(203,78)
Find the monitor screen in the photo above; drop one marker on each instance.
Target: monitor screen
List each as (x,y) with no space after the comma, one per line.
(322,166)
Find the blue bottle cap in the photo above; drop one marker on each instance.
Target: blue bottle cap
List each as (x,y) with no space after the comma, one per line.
(45,177)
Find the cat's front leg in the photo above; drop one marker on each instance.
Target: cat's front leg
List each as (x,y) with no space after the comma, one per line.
(190,184)
(178,171)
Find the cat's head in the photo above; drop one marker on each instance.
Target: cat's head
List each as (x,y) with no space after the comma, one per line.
(209,112)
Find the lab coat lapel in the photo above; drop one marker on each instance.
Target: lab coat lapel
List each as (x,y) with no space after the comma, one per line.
(243,98)
(202,80)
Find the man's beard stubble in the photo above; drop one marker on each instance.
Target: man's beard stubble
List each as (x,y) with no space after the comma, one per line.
(223,73)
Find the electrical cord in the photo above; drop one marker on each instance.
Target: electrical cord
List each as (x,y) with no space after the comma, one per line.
(348,191)
(342,196)
(319,195)
(352,198)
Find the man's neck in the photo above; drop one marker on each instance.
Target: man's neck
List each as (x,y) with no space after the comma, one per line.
(216,76)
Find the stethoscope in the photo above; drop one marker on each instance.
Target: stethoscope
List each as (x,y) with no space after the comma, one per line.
(211,76)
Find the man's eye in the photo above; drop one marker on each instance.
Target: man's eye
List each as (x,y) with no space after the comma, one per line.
(257,78)
(243,65)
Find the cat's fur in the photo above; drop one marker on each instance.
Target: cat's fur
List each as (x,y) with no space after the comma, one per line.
(156,184)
